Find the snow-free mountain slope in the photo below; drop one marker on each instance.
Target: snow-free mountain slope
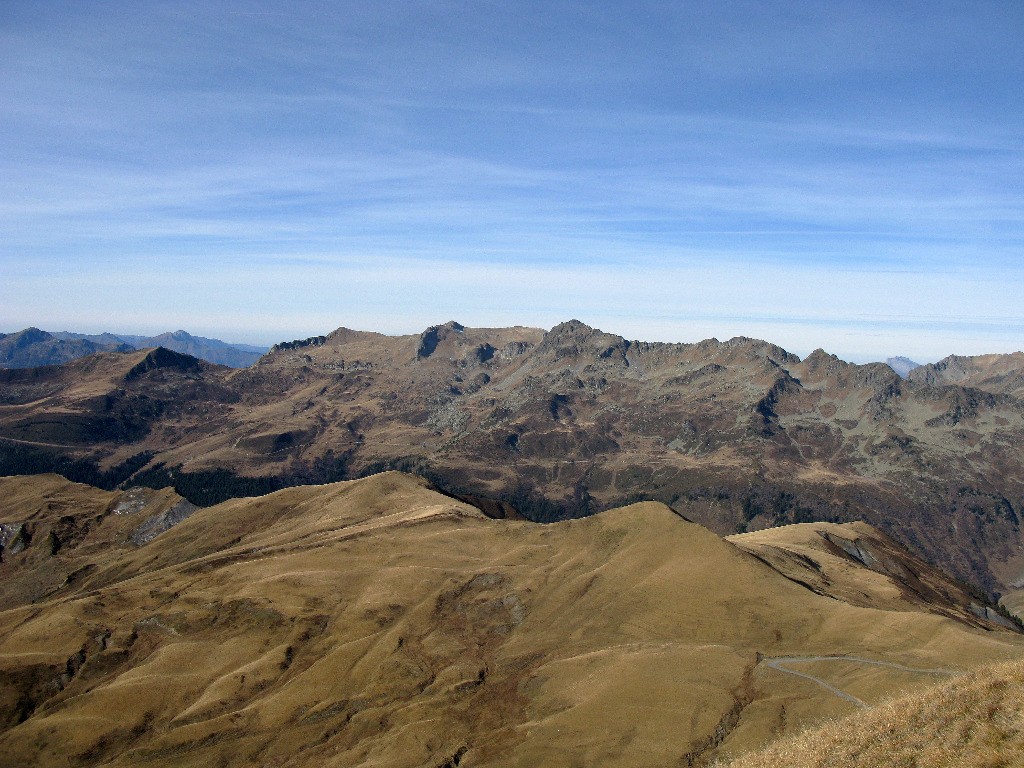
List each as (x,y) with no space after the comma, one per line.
(557,424)
(32,347)
(973,720)
(377,622)
(995,374)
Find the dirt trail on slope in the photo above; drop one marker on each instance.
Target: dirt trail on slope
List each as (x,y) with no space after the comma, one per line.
(778,663)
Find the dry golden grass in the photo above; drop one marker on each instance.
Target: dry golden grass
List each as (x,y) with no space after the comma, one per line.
(1013,601)
(378,623)
(859,565)
(973,721)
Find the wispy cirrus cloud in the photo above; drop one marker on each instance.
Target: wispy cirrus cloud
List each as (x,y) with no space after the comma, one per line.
(711,166)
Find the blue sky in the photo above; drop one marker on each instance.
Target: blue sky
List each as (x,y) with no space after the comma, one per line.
(844,175)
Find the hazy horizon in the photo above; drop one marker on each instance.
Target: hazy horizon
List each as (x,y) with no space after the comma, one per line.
(835,176)
(271,339)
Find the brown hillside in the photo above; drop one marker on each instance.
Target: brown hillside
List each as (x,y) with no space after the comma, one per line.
(857,564)
(997,374)
(972,721)
(377,622)
(741,433)
(54,534)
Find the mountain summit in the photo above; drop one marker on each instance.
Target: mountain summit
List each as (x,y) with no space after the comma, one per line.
(902,365)
(560,424)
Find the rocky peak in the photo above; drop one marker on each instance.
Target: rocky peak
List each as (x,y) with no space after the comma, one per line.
(824,363)
(29,336)
(949,370)
(572,327)
(161,357)
(431,338)
(577,339)
(312,341)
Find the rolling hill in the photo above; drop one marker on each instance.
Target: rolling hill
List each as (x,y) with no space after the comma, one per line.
(379,622)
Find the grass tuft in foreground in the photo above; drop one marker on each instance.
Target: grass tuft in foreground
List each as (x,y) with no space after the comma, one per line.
(974,720)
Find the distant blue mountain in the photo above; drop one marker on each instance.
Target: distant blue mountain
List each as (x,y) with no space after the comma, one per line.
(32,347)
(211,350)
(902,365)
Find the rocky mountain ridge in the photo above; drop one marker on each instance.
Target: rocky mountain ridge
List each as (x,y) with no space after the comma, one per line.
(995,374)
(33,347)
(555,424)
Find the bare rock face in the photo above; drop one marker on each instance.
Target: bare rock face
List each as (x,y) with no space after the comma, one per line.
(162,521)
(996,374)
(14,537)
(560,424)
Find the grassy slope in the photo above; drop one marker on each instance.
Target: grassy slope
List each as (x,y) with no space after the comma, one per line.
(376,622)
(855,563)
(975,720)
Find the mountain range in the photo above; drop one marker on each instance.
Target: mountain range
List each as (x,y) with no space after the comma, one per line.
(380,622)
(32,347)
(558,424)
